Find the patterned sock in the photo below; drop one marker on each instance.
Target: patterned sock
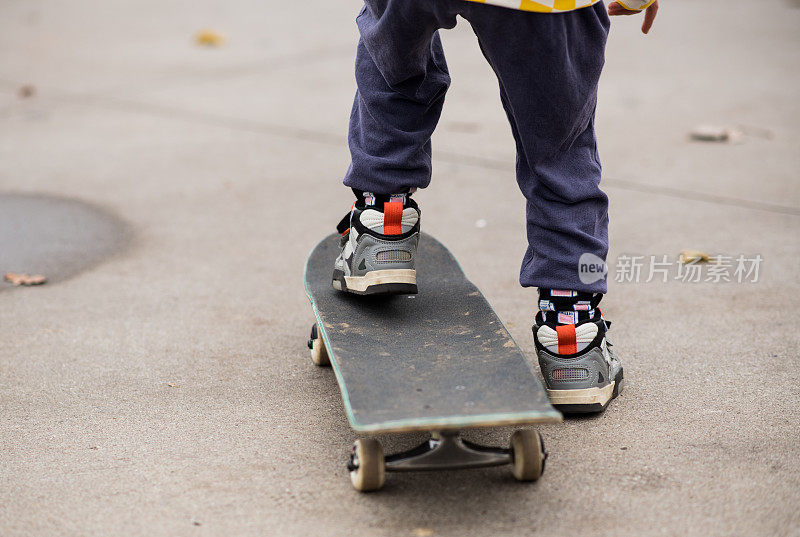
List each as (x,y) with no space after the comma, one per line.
(370,199)
(560,306)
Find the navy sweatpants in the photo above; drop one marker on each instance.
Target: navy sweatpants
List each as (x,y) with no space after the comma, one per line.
(548,66)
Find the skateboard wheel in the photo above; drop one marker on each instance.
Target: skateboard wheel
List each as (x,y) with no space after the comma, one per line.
(319,354)
(527,455)
(367,466)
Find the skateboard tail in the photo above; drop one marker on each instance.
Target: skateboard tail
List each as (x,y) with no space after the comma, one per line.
(426,424)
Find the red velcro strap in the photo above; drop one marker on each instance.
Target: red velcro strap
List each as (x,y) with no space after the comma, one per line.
(392,218)
(567,343)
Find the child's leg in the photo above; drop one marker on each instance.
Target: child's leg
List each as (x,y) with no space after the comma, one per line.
(402,78)
(548,66)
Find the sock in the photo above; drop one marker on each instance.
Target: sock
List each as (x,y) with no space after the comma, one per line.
(376,201)
(560,306)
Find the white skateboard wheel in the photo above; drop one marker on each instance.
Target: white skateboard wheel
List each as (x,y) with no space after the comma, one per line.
(527,455)
(319,354)
(368,468)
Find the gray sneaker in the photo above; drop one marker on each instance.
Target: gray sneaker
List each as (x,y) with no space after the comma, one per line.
(581,372)
(379,248)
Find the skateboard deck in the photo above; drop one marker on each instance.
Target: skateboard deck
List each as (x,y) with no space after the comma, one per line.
(438,360)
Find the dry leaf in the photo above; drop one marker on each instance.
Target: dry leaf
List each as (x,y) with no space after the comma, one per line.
(714,133)
(172,385)
(26,91)
(24,279)
(696,256)
(209,38)
(709,133)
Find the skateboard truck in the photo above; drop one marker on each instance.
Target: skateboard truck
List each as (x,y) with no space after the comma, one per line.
(446,450)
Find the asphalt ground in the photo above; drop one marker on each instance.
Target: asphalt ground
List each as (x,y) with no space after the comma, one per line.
(159,384)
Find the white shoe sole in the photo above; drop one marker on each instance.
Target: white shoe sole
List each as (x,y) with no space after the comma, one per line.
(380,277)
(586,396)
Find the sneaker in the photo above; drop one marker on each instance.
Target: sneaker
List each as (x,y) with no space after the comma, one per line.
(581,372)
(379,247)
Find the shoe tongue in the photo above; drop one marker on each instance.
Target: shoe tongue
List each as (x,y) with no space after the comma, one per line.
(566,339)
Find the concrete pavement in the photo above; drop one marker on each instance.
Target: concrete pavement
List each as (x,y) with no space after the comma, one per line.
(167,390)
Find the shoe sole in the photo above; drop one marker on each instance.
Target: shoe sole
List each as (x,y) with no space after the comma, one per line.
(378,282)
(587,400)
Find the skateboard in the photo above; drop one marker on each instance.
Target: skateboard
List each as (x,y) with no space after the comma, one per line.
(439,361)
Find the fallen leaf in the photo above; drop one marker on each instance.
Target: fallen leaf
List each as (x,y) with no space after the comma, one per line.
(709,133)
(24,279)
(172,385)
(714,133)
(209,38)
(696,256)
(26,91)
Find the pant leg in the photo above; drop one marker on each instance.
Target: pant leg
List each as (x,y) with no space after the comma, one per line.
(402,79)
(548,66)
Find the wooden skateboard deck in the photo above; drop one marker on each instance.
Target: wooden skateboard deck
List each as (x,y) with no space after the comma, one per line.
(438,360)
